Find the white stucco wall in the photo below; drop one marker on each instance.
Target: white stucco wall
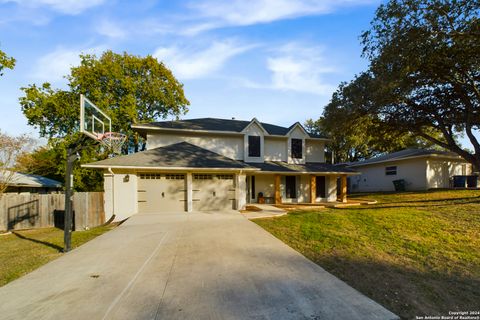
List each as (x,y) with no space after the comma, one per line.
(315,151)
(373,178)
(123,201)
(439,172)
(275,149)
(226,145)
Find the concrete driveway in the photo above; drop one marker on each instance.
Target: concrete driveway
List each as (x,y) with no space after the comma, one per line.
(185,266)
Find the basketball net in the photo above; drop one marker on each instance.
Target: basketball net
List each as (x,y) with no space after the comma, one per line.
(113,142)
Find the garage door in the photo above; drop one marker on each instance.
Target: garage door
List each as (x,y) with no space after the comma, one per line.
(213,192)
(161,192)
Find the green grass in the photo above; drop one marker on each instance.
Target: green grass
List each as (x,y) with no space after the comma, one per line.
(24,251)
(415,253)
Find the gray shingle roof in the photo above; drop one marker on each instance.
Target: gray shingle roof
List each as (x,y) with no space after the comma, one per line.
(311,167)
(407,153)
(214,124)
(179,155)
(29,180)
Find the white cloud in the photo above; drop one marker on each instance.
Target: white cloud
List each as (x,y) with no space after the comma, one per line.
(248,12)
(55,65)
(298,68)
(191,63)
(111,30)
(72,7)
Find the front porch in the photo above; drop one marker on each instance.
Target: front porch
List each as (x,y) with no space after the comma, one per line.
(297,188)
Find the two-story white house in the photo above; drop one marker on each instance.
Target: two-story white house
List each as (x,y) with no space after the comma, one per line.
(218,164)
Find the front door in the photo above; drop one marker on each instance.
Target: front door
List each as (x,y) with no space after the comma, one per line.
(291,187)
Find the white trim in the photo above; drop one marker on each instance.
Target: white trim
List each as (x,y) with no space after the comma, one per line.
(297,124)
(254,120)
(189,169)
(318,173)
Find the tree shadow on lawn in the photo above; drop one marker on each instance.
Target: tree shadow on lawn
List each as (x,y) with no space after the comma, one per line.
(405,291)
(45,243)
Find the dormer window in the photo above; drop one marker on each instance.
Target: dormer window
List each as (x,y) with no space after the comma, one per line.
(253,146)
(297,148)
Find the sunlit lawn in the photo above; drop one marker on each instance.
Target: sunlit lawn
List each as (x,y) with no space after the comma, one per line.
(415,253)
(24,251)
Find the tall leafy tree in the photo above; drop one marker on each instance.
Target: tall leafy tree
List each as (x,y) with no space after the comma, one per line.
(356,133)
(129,88)
(424,61)
(6,62)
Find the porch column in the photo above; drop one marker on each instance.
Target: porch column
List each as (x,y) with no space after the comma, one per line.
(240,191)
(343,186)
(278,197)
(189,192)
(313,188)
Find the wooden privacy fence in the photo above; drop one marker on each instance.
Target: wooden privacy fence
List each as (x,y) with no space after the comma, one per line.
(26,211)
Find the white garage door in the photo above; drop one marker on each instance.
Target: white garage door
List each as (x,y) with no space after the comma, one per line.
(213,192)
(161,192)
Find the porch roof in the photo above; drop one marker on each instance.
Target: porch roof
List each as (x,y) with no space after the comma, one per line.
(309,167)
(179,156)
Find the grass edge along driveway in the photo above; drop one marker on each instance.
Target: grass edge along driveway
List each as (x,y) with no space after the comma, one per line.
(415,253)
(23,251)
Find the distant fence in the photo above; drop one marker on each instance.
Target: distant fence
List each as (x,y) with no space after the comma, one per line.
(26,211)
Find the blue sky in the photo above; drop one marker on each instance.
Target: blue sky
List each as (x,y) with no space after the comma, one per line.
(277,60)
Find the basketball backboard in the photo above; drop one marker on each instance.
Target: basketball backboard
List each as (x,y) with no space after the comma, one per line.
(93,121)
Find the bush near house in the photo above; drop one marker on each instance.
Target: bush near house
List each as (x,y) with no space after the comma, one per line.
(415,253)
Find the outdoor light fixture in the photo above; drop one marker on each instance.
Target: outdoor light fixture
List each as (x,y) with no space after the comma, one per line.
(126,178)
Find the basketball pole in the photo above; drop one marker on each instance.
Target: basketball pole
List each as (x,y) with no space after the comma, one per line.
(72,156)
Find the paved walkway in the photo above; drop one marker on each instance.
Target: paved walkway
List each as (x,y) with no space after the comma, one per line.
(266,211)
(184,266)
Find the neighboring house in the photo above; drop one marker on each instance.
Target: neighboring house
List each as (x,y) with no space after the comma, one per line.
(421,169)
(22,182)
(215,164)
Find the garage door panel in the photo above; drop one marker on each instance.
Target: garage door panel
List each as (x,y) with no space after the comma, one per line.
(213,192)
(161,193)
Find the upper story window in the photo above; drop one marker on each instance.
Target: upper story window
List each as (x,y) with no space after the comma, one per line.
(253,146)
(391,171)
(297,148)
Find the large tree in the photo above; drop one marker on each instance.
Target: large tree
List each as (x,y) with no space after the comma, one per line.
(130,89)
(11,148)
(6,62)
(425,64)
(356,133)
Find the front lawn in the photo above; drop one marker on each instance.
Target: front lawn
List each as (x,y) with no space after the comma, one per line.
(414,253)
(24,251)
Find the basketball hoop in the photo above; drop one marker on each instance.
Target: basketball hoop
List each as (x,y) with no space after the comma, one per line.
(113,141)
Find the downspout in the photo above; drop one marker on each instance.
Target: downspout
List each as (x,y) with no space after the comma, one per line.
(113,190)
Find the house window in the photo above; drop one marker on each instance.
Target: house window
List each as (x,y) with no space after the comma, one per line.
(148,176)
(253,146)
(320,186)
(391,171)
(291,187)
(175,176)
(297,148)
(202,177)
(225,176)
(253,187)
